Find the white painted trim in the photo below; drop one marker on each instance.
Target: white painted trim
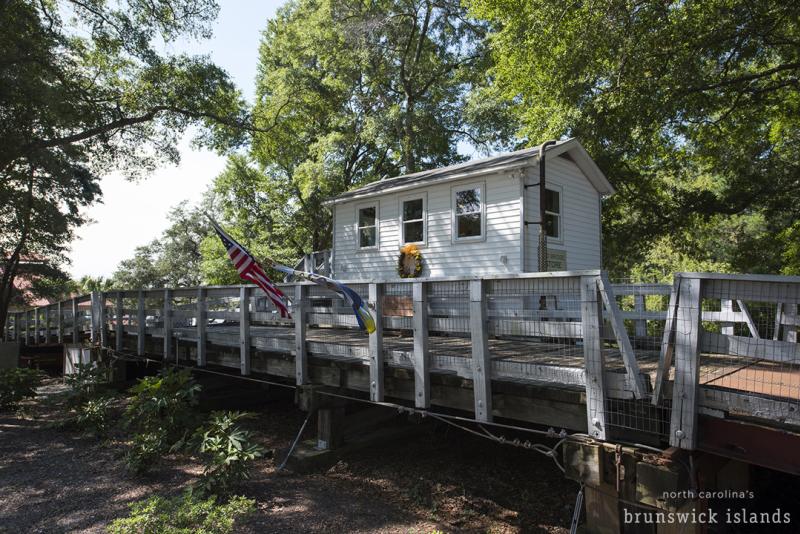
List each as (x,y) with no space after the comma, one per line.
(423,195)
(453,226)
(358,207)
(560,239)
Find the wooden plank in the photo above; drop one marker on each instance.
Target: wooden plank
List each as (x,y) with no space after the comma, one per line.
(742,403)
(667,341)
(167,319)
(778,321)
(244,330)
(748,319)
(481,358)
(683,427)
(376,391)
(753,287)
(422,384)
(621,335)
(763,349)
(591,313)
(141,324)
(103,320)
(640,307)
(202,326)
(300,352)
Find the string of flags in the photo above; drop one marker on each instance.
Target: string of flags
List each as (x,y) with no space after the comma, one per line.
(250,270)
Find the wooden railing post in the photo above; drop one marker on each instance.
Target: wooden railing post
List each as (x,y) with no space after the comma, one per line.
(167,319)
(118,325)
(422,380)
(76,327)
(47,324)
(299,312)
(141,324)
(103,320)
(17,327)
(640,306)
(60,321)
(481,359)
(202,324)
(244,330)
(36,326)
(683,427)
(591,322)
(376,388)
(726,305)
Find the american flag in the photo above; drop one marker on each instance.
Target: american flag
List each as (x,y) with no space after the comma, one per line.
(249,269)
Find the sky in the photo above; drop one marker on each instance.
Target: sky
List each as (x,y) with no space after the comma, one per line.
(133,214)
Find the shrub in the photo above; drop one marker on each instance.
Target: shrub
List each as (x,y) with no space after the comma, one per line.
(161,415)
(16,384)
(85,382)
(94,415)
(184,514)
(227,451)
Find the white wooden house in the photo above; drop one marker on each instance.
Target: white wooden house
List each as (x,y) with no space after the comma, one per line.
(475,218)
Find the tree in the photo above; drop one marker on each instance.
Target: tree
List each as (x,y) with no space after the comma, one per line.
(173,259)
(351,92)
(84,90)
(691,108)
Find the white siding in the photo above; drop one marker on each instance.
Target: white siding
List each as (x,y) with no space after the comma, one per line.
(580,207)
(441,256)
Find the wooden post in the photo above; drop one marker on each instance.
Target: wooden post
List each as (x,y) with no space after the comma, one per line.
(376,344)
(202,325)
(726,305)
(60,321)
(94,312)
(300,354)
(118,325)
(640,326)
(683,427)
(667,341)
(481,358)
(36,326)
(167,317)
(329,427)
(591,317)
(46,324)
(778,321)
(790,326)
(17,325)
(422,381)
(103,320)
(141,324)
(76,327)
(244,330)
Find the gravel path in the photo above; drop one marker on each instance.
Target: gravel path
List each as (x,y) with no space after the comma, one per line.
(57,481)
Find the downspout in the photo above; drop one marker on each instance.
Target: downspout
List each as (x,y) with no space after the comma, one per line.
(542,205)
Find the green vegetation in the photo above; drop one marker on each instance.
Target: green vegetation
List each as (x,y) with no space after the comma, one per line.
(185,514)
(227,451)
(161,415)
(17,384)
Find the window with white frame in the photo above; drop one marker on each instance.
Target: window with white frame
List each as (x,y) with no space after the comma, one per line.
(412,213)
(468,212)
(552,213)
(367,219)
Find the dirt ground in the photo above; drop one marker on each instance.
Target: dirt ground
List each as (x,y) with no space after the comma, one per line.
(441,479)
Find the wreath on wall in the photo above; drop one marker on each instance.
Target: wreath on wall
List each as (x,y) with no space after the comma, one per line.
(409,263)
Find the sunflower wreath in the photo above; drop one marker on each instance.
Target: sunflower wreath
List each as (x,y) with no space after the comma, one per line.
(409,263)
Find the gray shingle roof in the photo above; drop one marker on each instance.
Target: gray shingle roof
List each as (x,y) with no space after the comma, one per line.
(442,173)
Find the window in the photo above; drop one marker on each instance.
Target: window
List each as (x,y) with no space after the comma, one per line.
(413,220)
(468,216)
(552,214)
(368,226)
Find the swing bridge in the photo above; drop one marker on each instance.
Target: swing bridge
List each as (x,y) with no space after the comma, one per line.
(707,366)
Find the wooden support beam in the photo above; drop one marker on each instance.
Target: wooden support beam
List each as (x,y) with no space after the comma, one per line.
(17,327)
(102,320)
(621,335)
(667,341)
(202,327)
(748,319)
(60,321)
(141,323)
(244,330)
(376,344)
(300,353)
(167,318)
(76,327)
(481,358)
(36,326)
(591,316)
(683,427)
(790,324)
(118,324)
(330,427)
(46,324)
(778,321)
(422,361)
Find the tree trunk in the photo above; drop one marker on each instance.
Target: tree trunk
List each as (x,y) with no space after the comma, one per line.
(408,137)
